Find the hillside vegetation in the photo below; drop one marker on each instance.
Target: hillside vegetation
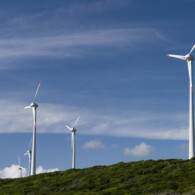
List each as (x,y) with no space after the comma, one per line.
(142,177)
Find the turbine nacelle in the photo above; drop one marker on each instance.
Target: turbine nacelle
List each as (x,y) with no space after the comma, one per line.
(74,130)
(28,152)
(19,166)
(71,129)
(32,105)
(189,57)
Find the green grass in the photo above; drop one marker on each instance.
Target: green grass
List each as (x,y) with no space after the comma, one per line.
(142,177)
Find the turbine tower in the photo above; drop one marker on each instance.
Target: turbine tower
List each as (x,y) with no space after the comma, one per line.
(20,167)
(189,58)
(29,152)
(73,131)
(34,107)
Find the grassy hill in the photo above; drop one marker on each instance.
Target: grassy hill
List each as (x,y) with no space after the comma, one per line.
(142,177)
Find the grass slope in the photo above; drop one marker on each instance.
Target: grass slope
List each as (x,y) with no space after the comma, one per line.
(142,177)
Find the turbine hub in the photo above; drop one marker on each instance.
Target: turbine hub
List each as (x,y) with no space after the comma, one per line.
(34,105)
(189,57)
(74,130)
(29,151)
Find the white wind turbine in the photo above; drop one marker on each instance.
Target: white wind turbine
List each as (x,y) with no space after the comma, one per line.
(189,58)
(20,167)
(34,107)
(73,131)
(29,152)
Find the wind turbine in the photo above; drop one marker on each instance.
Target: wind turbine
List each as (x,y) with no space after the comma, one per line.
(73,131)
(34,107)
(29,152)
(20,167)
(189,58)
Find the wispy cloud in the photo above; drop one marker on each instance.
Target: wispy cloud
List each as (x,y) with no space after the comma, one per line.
(139,150)
(98,6)
(94,144)
(60,32)
(53,117)
(13,172)
(75,44)
(68,18)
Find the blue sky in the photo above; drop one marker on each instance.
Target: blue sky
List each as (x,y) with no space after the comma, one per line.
(105,60)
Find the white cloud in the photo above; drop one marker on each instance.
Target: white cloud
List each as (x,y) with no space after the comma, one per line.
(53,117)
(13,172)
(139,150)
(40,169)
(94,144)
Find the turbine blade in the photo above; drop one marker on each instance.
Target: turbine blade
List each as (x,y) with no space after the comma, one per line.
(77,121)
(192,49)
(177,56)
(36,92)
(69,128)
(19,160)
(27,107)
